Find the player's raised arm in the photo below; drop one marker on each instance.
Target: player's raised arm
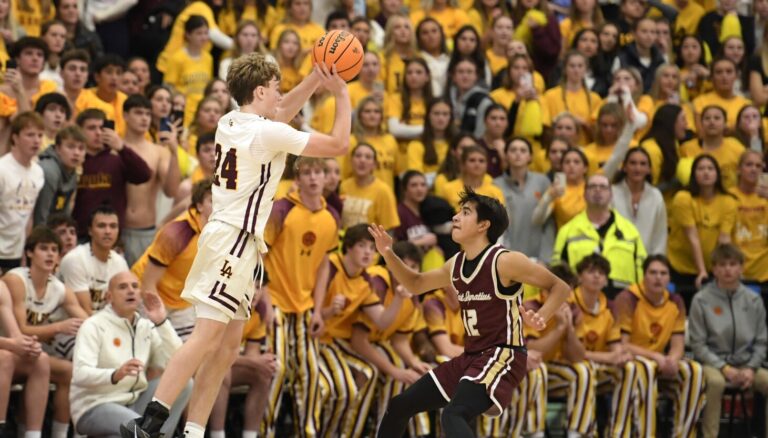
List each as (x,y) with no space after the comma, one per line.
(336,144)
(515,266)
(294,100)
(416,282)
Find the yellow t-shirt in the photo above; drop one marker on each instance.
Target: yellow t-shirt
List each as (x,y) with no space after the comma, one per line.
(597,156)
(392,72)
(290,77)
(529,121)
(374,203)
(597,329)
(358,92)
(407,316)
(657,158)
(308,33)
(87,100)
(579,103)
(711,218)
(569,29)
(228,19)
(731,106)
(32,19)
(394,108)
(650,325)
(117,108)
(570,204)
(416,156)
(750,233)
(324,115)
(687,21)
(189,76)
(297,236)
(451,19)
(451,191)
(727,157)
(255,329)
(9,106)
(387,161)
(496,62)
(176,40)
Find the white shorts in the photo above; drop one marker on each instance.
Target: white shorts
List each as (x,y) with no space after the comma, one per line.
(183,321)
(220,283)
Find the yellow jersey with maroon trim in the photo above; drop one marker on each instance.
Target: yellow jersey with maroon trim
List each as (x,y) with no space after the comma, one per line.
(299,239)
(358,292)
(406,319)
(535,302)
(9,106)
(441,318)
(649,325)
(255,329)
(597,328)
(174,248)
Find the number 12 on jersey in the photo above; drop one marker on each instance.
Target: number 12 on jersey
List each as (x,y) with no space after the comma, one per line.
(228,170)
(469,316)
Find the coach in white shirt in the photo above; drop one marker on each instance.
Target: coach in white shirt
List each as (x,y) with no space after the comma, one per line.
(86,269)
(113,350)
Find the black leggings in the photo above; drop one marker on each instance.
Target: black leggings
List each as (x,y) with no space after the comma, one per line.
(469,401)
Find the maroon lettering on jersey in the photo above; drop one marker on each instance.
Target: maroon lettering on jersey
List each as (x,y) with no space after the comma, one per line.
(490,317)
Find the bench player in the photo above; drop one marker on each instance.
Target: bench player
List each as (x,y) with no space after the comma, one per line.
(251,148)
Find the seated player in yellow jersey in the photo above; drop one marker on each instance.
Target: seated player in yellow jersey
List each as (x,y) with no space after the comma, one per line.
(165,264)
(349,294)
(444,324)
(389,350)
(652,323)
(599,333)
(257,368)
(564,357)
(302,230)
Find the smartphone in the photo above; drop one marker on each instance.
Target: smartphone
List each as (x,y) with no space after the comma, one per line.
(526,80)
(165,124)
(560,179)
(109,124)
(177,115)
(11,63)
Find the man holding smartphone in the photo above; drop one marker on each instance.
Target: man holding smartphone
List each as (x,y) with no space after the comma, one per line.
(109,166)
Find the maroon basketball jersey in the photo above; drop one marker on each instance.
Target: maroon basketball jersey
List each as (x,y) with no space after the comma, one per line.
(488,309)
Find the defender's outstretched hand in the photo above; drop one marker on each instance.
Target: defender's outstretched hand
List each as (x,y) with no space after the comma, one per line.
(381,237)
(532,319)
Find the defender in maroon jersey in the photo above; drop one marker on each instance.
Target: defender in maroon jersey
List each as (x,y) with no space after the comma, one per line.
(488,279)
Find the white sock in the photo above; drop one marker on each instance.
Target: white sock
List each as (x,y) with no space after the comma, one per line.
(217,434)
(250,434)
(162,403)
(193,430)
(573,434)
(32,434)
(59,430)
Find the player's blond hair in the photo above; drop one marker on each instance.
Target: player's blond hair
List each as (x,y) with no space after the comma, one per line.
(248,72)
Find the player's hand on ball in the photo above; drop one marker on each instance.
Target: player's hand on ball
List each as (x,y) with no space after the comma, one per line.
(331,79)
(381,237)
(532,319)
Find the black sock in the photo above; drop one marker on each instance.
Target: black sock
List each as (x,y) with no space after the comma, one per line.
(154,417)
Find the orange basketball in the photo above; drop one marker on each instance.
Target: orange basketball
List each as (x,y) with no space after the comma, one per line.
(341,48)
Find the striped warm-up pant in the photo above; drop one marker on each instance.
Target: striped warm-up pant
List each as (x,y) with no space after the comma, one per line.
(578,382)
(298,351)
(622,382)
(687,390)
(346,401)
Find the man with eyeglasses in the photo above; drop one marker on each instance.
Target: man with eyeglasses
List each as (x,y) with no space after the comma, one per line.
(599,229)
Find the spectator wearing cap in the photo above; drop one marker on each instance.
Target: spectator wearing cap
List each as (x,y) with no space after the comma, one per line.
(601,229)
(55,110)
(113,351)
(60,164)
(22,85)
(728,334)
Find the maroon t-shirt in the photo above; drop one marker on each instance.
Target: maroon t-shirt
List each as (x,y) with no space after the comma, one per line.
(411,225)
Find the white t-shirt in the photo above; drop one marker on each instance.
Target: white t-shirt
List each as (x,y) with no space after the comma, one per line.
(19,187)
(250,152)
(82,271)
(40,310)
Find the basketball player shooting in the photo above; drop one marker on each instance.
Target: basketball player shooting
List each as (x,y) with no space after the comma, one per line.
(251,147)
(489,281)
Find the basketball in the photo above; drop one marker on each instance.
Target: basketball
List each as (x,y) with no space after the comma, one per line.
(341,48)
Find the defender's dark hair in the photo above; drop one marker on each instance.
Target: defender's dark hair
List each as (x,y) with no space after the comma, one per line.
(355,234)
(488,209)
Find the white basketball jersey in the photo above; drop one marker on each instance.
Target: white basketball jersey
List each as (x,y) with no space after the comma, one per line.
(250,158)
(39,310)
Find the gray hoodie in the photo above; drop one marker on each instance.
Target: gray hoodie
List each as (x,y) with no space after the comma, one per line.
(59,188)
(728,328)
